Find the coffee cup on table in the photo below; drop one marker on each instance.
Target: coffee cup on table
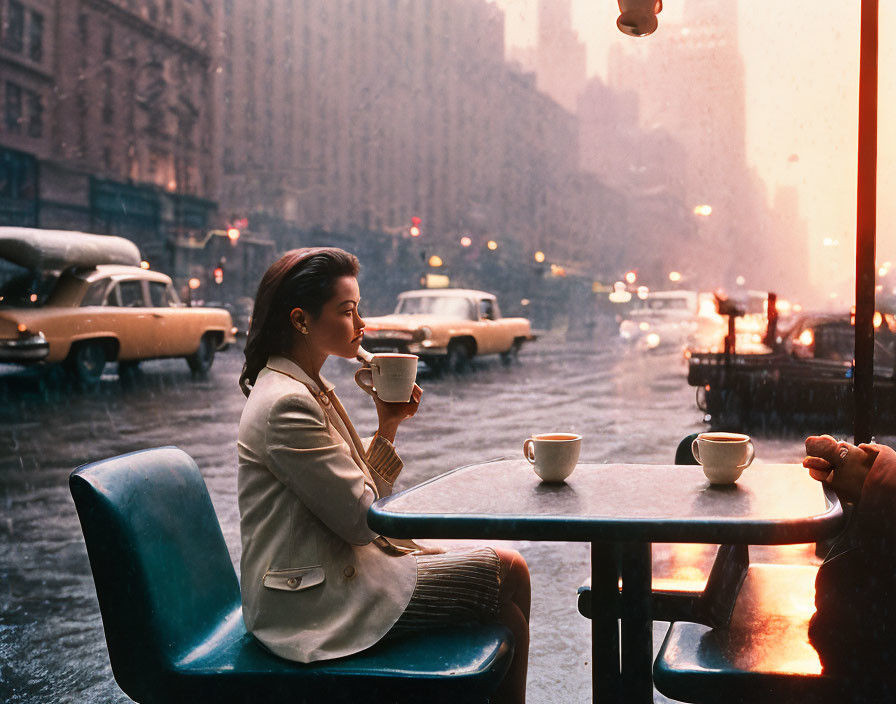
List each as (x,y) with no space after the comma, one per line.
(724,456)
(390,376)
(553,456)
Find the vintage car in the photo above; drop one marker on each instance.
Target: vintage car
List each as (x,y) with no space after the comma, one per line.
(447,327)
(662,320)
(83,300)
(807,376)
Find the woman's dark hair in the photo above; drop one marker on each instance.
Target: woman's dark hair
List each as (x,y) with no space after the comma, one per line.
(301,278)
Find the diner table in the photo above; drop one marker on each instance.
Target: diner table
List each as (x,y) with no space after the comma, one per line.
(621,509)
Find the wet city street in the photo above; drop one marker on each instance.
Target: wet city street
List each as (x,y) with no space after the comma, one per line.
(629,408)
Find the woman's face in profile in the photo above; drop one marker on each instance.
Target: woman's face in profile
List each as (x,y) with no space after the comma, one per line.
(339,329)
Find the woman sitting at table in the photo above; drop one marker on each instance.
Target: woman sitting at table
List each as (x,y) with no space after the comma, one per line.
(317,583)
(854,626)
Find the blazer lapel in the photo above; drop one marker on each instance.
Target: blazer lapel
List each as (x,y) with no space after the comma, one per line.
(331,406)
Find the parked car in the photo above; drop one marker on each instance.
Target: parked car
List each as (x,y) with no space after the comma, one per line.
(807,374)
(447,328)
(83,300)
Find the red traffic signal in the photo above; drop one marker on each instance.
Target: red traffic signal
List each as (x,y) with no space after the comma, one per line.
(415,226)
(219,274)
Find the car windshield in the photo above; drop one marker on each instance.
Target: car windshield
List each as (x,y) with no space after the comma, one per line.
(436,306)
(24,288)
(664,304)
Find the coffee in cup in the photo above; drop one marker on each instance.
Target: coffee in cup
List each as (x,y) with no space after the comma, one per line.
(553,456)
(391,376)
(724,456)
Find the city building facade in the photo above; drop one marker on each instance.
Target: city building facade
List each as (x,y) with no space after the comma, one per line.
(108,103)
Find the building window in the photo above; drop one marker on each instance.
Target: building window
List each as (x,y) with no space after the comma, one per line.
(83,30)
(13,111)
(35,115)
(14,36)
(169,11)
(36,37)
(108,42)
(108,99)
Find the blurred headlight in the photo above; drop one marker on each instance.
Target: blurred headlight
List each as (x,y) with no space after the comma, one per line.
(644,326)
(653,340)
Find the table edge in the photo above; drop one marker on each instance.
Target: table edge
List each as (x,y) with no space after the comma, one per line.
(562,528)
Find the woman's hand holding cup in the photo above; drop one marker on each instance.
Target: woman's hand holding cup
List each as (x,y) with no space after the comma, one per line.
(394,375)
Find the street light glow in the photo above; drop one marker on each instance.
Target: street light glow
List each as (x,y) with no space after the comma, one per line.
(193,284)
(740,281)
(492,245)
(144,264)
(435,260)
(233,233)
(465,241)
(704,210)
(631,277)
(674,276)
(539,256)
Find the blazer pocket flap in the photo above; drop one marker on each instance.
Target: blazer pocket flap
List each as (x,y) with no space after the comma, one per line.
(293,580)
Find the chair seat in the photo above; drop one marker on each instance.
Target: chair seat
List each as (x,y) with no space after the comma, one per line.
(450,664)
(460,652)
(763,655)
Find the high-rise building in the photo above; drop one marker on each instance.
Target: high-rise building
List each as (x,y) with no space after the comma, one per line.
(560,57)
(689,79)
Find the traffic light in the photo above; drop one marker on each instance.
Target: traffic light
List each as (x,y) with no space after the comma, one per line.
(415,227)
(219,274)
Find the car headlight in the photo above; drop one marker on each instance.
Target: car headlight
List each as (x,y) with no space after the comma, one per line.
(424,333)
(653,340)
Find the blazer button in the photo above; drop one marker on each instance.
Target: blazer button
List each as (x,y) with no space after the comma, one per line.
(292,582)
(349,571)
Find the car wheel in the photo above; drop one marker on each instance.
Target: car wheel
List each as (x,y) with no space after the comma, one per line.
(458,360)
(511,355)
(201,360)
(87,361)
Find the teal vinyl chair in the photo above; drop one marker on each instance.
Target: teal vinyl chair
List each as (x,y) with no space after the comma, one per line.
(170,603)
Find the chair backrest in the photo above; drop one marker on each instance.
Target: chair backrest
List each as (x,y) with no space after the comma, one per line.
(683,453)
(163,575)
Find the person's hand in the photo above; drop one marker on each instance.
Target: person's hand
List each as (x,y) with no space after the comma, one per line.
(840,464)
(391,415)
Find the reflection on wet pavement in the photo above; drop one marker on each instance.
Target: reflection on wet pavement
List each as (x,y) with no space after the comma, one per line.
(628,409)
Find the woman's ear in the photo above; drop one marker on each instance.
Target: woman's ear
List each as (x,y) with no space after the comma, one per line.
(297,318)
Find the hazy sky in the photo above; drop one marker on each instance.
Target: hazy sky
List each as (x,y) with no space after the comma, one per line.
(802,62)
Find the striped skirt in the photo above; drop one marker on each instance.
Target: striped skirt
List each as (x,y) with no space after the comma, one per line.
(458,586)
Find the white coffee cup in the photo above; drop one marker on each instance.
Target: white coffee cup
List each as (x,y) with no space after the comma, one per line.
(553,455)
(724,456)
(392,376)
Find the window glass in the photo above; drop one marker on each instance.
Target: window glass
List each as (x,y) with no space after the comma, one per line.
(14,34)
(440,307)
(161,295)
(36,37)
(131,293)
(95,295)
(13,110)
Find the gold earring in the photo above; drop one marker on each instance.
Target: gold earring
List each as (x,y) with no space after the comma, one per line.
(303,330)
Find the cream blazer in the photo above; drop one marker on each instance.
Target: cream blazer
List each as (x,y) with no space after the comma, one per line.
(314,583)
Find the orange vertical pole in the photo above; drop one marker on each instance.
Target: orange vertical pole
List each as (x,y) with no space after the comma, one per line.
(866,223)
